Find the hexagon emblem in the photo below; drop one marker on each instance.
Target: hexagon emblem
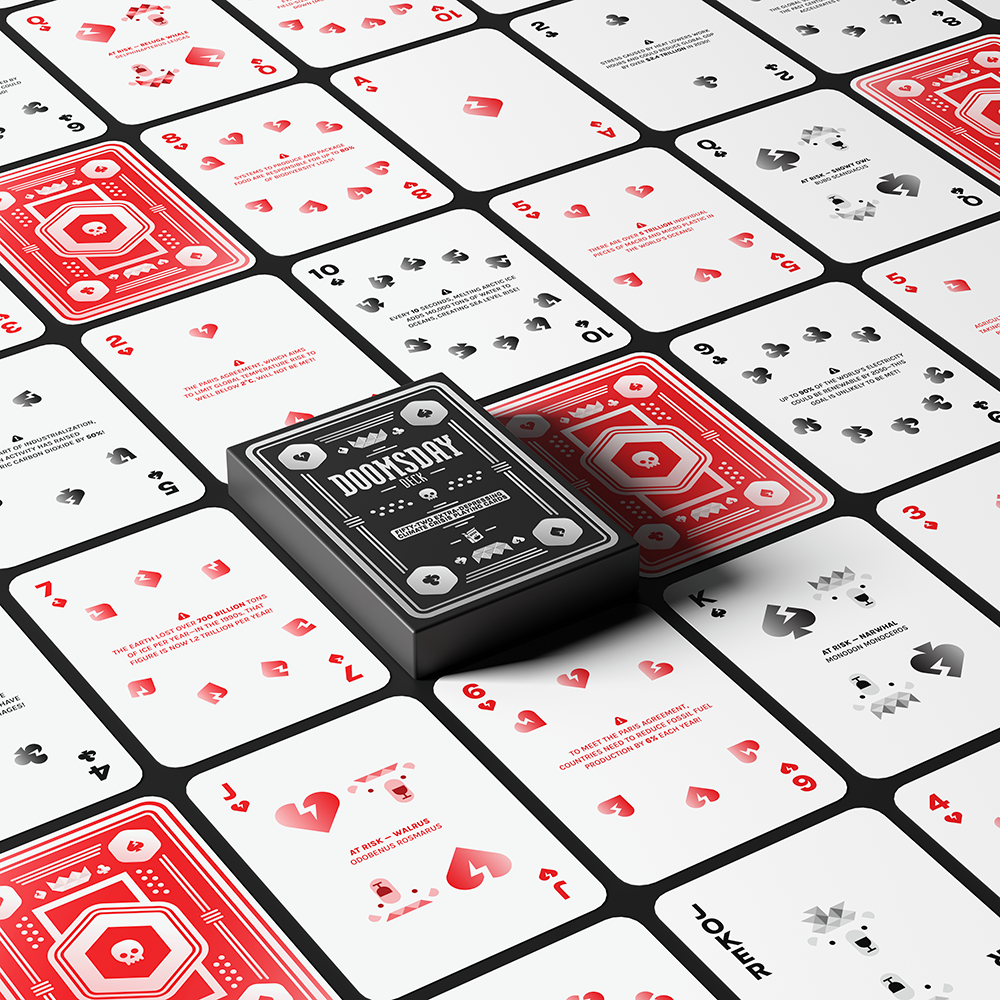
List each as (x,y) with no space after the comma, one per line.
(557,531)
(657,536)
(423,412)
(128,951)
(981,109)
(94,229)
(635,386)
(134,845)
(905,88)
(195,256)
(6,200)
(990,58)
(646,459)
(87,291)
(766,494)
(527,425)
(432,580)
(302,457)
(100,169)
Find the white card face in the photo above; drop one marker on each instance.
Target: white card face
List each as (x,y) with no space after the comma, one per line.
(74,462)
(951,287)
(412,828)
(629,730)
(454,294)
(295,168)
(617,959)
(233,362)
(845,180)
(955,519)
(329,32)
(148,61)
(843,35)
(809,910)
(656,240)
(863,396)
(18,324)
(480,93)
(959,806)
(876,656)
(706,62)
(60,756)
(39,114)
(196,636)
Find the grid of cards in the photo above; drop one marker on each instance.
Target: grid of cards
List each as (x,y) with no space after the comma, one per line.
(726,268)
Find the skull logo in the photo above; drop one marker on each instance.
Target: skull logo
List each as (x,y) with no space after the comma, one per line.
(128,952)
(647,459)
(429,494)
(95,228)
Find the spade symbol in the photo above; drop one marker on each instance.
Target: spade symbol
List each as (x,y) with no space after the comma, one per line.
(415,345)
(74,497)
(26,398)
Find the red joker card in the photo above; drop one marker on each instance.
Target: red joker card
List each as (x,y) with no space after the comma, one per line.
(661,459)
(952,96)
(97,230)
(130,906)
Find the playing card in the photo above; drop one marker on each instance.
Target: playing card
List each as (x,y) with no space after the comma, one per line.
(618,955)
(845,180)
(339,800)
(18,324)
(196,636)
(236,360)
(661,460)
(836,910)
(578,723)
(951,288)
(635,56)
(61,758)
(684,249)
(856,391)
(888,688)
(951,96)
(327,32)
(954,519)
(959,807)
(454,294)
(133,904)
(484,110)
(105,232)
(151,60)
(38,113)
(277,163)
(841,35)
(74,462)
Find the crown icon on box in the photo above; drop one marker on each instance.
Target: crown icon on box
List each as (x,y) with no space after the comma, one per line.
(954,77)
(587,411)
(367,440)
(70,881)
(53,188)
(836,579)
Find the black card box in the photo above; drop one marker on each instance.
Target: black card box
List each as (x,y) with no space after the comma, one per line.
(428,523)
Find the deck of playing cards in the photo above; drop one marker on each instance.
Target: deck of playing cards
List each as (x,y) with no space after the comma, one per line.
(428,522)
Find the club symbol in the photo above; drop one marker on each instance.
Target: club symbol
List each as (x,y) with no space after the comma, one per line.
(775,350)
(815,335)
(935,402)
(31,754)
(759,376)
(803,425)
(709,82)
(937,376)
(866,335)
(906,424)
(857,434)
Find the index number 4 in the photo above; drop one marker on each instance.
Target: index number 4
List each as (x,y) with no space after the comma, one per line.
(936,803)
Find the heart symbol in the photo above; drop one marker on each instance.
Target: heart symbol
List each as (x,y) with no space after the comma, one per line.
(996,822)
(575,678)
(532,215)
(328,126)
(641,191)
(292,25)
(400,8)
(631,279)
(577,212)
(378,167)
(742,239)
(931,524)
(409,184)
(618,805)
(592,995)
(488,705)
(528,720)
(263,205)
(326,805)
(208,331)
(528,425)
(904,87)
(463,861)
(312,206)
(233,139)
(302,456)
(706,274)
(697,797)
(240,807)
(744,752)
(655,670)
(332,29)
(646,995)
(278,126)
(955,817)
(372,22)
(211,162)
(356,194)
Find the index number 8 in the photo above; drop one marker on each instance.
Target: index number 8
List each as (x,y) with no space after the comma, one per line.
(172,137)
